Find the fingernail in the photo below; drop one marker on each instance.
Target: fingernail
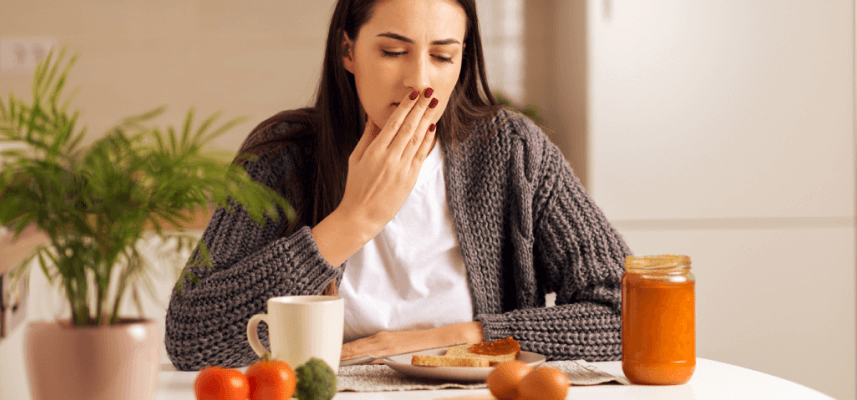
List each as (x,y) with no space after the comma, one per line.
(366,119)
(414,94)
(433,103)
(428,92)
(431,128)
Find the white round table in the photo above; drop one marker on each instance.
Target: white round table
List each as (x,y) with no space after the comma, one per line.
(711,380)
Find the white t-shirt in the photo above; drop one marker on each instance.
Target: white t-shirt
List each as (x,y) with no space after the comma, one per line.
(411,275)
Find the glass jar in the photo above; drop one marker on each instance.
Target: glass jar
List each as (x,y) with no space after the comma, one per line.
(658,321)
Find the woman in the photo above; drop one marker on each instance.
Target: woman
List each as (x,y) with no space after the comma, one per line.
(439,216)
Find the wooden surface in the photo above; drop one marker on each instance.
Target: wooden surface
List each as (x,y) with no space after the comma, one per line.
(12,252)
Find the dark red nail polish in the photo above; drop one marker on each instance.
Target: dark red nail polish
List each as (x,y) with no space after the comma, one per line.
(367,118)
(414,94)
(433,103)
(428,92)
(431,128)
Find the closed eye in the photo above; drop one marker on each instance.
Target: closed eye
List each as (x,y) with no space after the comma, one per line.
(394,54)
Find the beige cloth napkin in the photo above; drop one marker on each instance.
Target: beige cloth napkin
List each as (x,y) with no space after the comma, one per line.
(381,378)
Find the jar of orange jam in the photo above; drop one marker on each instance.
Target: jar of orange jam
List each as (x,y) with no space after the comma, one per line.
(658,322)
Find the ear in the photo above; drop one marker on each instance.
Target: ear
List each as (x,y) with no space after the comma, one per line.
(347,51)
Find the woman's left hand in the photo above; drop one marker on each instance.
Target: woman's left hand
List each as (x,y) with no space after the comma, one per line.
(387,343)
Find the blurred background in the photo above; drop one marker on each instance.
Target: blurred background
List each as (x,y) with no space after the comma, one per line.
(724,130)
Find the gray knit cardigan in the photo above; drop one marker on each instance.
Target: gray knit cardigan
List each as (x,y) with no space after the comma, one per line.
(525,226)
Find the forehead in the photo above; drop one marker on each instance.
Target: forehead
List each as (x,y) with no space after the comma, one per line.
(419,20)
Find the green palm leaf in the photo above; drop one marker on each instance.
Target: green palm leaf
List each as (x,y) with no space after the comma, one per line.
(93,203)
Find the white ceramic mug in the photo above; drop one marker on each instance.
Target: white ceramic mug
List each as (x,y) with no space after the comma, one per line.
(301,327)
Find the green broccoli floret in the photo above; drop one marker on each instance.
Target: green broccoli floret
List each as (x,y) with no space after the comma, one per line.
(316,381)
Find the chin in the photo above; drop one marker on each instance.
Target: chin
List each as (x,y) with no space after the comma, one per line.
(381,120)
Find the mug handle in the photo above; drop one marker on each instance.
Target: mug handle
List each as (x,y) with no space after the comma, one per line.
(253,333)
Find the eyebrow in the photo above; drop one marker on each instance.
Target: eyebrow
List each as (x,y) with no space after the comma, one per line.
(396,36)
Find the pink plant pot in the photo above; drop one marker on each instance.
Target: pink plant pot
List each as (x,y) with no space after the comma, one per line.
(107,362)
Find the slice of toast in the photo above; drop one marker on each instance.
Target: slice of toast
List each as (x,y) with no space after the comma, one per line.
(462,356)
(464,351)
(427,360)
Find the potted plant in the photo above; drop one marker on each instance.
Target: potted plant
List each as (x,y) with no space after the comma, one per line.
(95,204)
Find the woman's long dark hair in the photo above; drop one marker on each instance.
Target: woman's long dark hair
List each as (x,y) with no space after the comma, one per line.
(336,121)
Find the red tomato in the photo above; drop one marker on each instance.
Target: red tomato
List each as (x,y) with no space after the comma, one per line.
(271,380)
(218,383)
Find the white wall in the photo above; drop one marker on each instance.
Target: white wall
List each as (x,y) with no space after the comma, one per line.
(725,130)
(246,59)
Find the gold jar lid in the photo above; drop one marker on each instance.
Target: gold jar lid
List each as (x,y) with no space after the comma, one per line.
(663,263)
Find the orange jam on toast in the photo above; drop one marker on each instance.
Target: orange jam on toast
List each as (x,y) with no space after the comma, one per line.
(497,347)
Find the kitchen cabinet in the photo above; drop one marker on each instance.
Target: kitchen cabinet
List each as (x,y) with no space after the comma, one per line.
(725,130)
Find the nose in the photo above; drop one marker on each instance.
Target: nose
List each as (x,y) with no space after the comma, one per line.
(416,76)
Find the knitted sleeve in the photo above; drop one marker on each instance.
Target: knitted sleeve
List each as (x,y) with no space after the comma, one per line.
(579,256)
(207,324)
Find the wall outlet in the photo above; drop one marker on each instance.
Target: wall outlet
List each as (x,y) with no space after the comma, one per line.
(22,54)
(13,304)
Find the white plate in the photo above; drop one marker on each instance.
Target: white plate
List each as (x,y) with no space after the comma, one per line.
(402,363)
